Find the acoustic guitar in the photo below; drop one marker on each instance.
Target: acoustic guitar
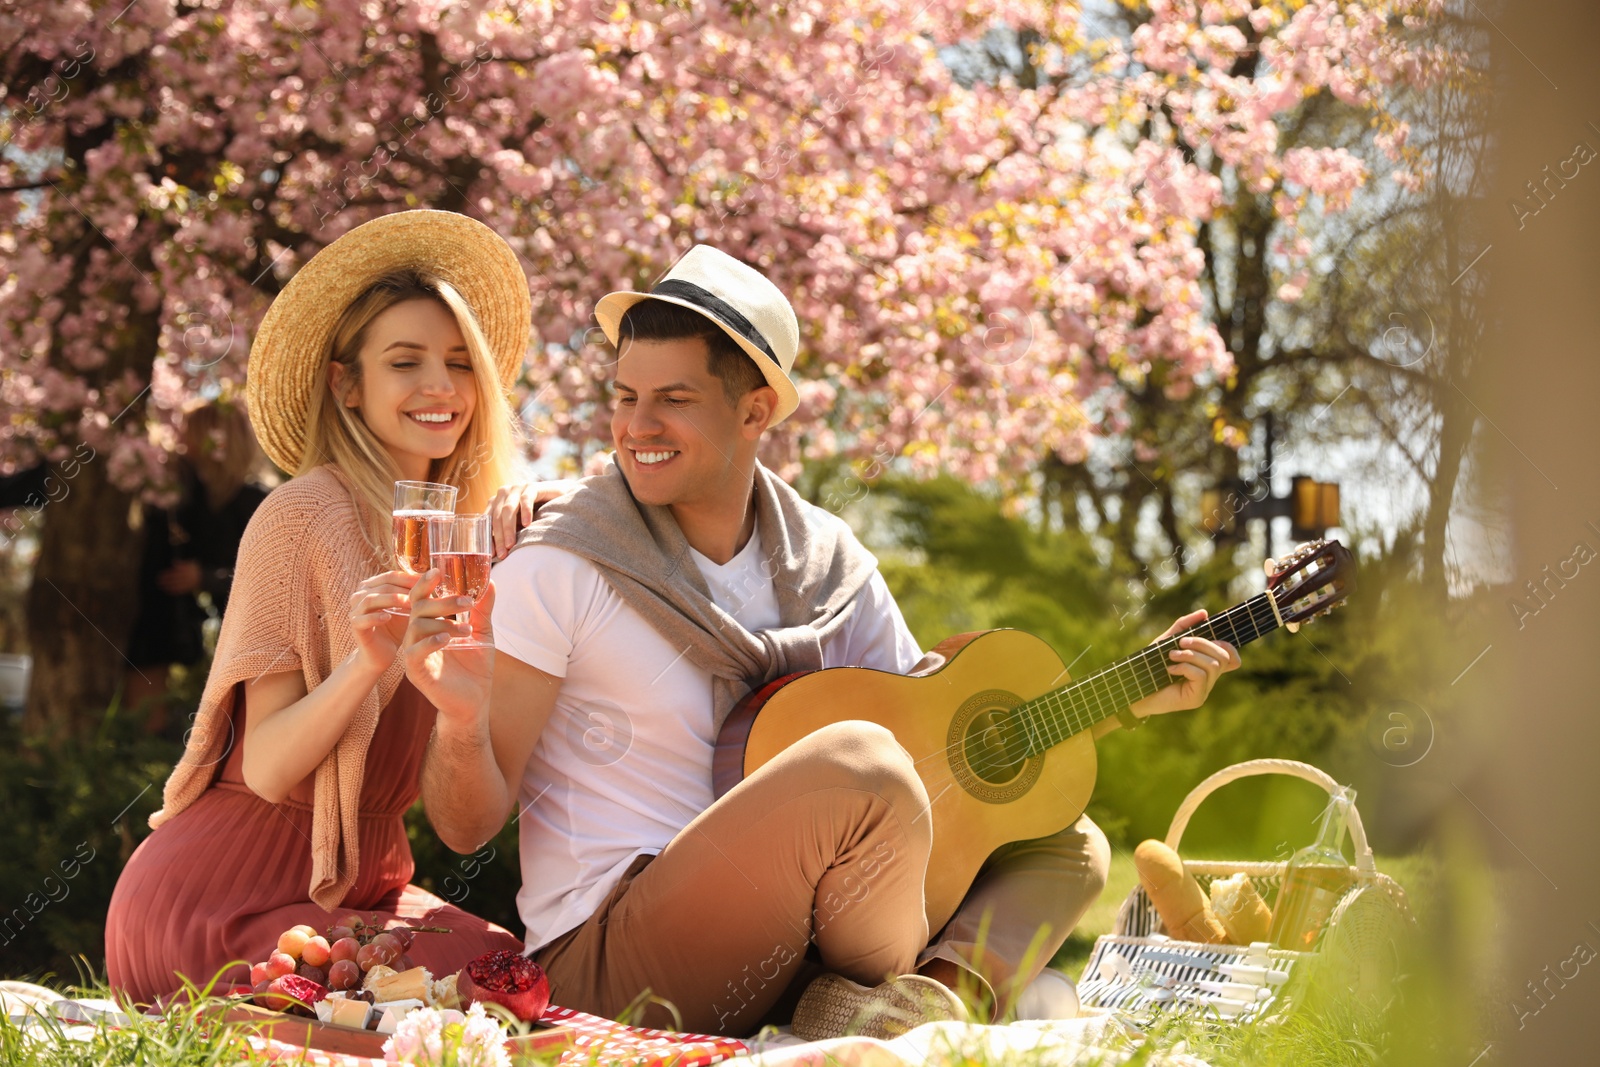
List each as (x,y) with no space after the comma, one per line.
(1002,739)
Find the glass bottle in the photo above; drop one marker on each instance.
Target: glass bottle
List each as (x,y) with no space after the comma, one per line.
(1314,880)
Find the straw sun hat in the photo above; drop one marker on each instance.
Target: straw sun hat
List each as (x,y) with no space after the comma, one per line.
(291,345)
(736,297)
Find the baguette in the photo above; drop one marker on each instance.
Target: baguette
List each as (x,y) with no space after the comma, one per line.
(1178,899)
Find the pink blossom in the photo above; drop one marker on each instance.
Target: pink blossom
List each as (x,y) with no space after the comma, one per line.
(976,268)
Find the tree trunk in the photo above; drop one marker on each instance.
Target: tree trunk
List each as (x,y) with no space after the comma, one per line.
(1454,437)
(1462,334)
(84,595)
(81,605)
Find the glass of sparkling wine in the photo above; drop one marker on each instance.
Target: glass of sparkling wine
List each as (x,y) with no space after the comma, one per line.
(414,504)
(459,547)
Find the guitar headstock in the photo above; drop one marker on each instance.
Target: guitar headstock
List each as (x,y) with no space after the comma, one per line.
(1312,580)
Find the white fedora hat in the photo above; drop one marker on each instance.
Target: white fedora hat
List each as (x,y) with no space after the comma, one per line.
(736,297)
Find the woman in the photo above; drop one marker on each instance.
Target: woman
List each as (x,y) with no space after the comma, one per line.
(386,357)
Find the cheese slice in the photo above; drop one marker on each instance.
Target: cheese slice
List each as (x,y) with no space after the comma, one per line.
(347,1012)
(393,1012)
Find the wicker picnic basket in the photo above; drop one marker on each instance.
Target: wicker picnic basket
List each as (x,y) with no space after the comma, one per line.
(1355,960)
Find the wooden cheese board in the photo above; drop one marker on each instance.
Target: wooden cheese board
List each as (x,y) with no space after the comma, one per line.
(350,1041)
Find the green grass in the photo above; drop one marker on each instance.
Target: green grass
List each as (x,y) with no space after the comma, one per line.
(180,1038)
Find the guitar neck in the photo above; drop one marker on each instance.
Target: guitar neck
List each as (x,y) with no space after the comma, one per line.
(1048,720)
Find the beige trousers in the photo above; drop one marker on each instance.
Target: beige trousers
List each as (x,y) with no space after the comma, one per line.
(825,846)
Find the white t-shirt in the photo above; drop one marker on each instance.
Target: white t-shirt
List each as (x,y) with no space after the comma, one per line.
(625,760)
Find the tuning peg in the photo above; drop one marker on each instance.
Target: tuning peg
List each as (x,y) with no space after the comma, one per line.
(1306,548)
(1270,565)
(1292,627)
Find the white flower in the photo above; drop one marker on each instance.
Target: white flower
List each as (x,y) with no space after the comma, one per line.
(419,1038)
(483,1043)
(432,1037)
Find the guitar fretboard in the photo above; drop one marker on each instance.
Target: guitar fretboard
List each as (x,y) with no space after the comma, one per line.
(1048,720)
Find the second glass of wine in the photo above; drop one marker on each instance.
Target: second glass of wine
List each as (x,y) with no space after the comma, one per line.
(415,503)
(460,549)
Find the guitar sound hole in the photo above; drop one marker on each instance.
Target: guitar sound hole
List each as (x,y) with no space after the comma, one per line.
(993,747)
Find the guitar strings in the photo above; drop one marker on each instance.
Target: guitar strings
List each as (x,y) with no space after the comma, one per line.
(1058,715)
(1147,674)
(1083,684)
(1066,702)
(1061,708)
(1255,611)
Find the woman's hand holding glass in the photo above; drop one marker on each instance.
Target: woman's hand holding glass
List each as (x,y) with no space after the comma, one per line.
(454,678)
(378,617)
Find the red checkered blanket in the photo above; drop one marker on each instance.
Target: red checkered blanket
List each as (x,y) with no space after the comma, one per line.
(609,1042)
(597,1041)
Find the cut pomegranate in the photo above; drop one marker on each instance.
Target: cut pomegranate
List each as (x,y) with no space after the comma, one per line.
(292,993)
(509,979)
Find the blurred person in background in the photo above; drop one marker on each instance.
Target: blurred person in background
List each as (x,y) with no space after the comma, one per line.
(189,550)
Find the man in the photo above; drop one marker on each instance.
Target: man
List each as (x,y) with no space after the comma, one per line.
(631,617)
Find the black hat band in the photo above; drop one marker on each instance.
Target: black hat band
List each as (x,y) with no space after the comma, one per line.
(726,312)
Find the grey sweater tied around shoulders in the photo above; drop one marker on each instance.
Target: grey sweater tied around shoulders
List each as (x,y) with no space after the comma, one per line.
(816,564)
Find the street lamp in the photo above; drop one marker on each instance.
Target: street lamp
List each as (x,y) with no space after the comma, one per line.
(1312,507)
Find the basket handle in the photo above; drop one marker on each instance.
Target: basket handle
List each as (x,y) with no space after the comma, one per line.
(1358,834)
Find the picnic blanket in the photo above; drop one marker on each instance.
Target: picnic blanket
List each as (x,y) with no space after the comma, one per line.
(603,1041)
(598,1041)
(1101,1038)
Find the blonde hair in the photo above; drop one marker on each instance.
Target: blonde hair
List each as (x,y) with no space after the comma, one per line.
(482,460)
(221,448)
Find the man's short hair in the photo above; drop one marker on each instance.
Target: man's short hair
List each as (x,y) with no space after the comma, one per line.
(661,320)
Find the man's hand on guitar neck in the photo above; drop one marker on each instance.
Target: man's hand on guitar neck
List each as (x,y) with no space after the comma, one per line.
(1195,666)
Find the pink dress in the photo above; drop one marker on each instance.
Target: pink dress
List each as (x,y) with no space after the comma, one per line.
(224,877)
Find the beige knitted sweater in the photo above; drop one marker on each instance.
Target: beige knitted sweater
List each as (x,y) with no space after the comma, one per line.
(302,556)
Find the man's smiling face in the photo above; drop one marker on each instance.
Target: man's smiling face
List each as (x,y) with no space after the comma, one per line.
(677,435)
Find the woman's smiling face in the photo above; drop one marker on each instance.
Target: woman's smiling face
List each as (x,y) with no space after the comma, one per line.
(417,392)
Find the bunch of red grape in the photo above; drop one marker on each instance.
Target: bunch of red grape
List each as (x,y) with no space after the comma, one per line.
(338,960)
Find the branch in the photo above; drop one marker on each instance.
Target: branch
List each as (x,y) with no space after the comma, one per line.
(1352,354)
(526,61)
(666,171)
(1397,442)
(29,186)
